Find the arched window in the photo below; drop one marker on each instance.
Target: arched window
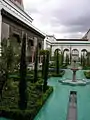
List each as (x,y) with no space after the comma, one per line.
(75,52)
(75,55)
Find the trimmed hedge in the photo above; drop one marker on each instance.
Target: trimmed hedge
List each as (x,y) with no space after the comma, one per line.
(86,68)
(53,74)
(47,94)
(87,74)
(16,77)
(34,104)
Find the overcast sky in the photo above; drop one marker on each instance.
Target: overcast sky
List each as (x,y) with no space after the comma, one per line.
(63,18)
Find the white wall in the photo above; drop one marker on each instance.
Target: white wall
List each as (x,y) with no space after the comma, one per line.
(79,45)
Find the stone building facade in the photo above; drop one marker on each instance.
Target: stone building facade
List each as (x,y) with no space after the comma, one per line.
(75,47)
(14,22)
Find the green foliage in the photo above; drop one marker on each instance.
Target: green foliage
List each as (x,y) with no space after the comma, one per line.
(9,108)
(42,52)
(67,59)
(46,71)
(7,58)
(87,74)
(83,61)
(47,94)
(43,65)
(36,65)
(57,61)
(53,74)
(64,66)
(6,62)
(22,83)
(62,57)
(70,56)
(88,59)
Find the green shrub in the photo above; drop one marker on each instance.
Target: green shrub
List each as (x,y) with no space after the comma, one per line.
(64,66)
(53,74)
(35,102)
(47,94)
(87,74)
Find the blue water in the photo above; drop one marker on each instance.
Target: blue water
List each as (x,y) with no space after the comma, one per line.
(57,105)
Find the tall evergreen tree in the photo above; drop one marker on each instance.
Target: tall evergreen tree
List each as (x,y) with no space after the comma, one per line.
(46,71)
(36,65)
(42,52)
(22,83)
(43,65)
(62,57)
(88,58)
(67,59)
(70,57)
(57,61)
(83,60)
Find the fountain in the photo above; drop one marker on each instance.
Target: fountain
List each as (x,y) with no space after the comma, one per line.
(74,67)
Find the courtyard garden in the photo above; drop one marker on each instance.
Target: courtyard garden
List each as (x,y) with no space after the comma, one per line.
(23,92)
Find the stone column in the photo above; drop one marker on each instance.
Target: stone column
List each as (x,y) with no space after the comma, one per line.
(45,44)
(70,54)
(0,31)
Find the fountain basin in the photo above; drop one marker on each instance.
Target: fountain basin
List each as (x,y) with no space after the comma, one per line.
(75,83)
(74,69)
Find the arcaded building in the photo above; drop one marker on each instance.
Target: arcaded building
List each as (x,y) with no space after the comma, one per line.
(75,47)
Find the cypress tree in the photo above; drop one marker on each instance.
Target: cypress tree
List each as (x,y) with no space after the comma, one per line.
(88,62)
(67,59)
(36,65)
(70,57)
(62,57)
(22,83)
(46,71)
(43,65)
(57,62)
(81,59)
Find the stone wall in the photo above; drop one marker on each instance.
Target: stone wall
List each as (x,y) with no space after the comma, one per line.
(12,29)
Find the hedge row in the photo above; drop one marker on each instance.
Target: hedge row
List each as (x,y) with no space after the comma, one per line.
(29,114)
(87,74)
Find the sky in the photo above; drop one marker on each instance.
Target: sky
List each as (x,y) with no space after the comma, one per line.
(61,18)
